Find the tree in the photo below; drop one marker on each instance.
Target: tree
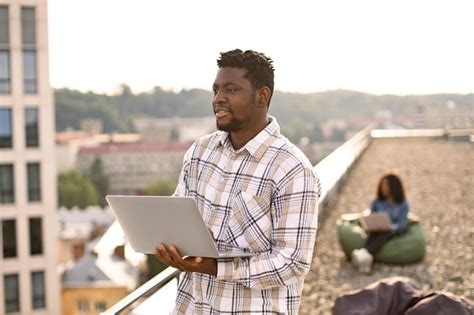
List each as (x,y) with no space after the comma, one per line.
(160,188)
(76,190)
(316,134)
(174,136)
(338,135)
(125,90)
(100,180)
(295,130)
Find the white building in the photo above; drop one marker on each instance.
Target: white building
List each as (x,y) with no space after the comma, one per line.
(178,129)
(130,167)
(68,144)
(29,282)
(78,227)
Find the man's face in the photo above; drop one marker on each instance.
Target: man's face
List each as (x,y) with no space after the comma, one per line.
(234,100)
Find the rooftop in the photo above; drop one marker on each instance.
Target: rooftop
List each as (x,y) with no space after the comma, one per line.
(77,224)
(438,176)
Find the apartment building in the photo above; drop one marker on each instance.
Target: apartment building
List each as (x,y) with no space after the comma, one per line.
(29,282)
(130,167)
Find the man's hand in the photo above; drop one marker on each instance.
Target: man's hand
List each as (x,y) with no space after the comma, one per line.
(172,257)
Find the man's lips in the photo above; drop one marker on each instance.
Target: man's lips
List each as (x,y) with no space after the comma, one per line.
(221,113)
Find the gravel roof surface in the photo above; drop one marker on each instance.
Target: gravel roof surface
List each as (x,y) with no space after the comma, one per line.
(438,176)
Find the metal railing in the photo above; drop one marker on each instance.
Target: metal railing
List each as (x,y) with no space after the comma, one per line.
(145,290)
(334,167)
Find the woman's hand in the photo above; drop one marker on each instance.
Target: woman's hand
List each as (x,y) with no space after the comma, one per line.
(171,257)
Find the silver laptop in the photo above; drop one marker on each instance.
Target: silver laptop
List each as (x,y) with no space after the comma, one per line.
(376,222)
(148,221)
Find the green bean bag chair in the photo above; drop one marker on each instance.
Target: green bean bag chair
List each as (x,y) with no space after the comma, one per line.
(409,247)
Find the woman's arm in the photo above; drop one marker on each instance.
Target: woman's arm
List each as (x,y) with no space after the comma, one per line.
(402,218)
(373,207)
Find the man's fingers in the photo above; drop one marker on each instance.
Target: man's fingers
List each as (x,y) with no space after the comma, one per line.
(174,254)
(172,257)
(178,260)
(164,255)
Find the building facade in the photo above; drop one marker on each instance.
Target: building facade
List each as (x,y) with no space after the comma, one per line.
(29,282)
(175,129)
(131,167)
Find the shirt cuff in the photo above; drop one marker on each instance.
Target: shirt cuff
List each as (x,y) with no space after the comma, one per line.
(225,269)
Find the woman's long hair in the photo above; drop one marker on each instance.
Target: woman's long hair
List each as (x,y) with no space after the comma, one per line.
(396,188)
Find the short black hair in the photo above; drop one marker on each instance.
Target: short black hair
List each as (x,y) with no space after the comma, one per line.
(260,71)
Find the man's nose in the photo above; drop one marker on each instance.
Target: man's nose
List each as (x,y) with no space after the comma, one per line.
(219,97)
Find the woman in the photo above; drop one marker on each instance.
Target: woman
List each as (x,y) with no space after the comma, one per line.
(390,198)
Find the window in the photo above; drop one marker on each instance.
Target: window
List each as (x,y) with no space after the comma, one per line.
(36,236)
(4,27)
(9,238)
(12,293)
(6,134)
(28,39)
(29,71)
(31,127)
(4,51)
(83,306)
(28,26)
(37,290)
(100,306)
(34,182)
(5,71)
(7,184)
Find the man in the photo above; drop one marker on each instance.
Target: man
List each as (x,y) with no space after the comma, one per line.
(256,191)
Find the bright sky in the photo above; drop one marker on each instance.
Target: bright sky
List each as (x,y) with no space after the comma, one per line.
(397,47)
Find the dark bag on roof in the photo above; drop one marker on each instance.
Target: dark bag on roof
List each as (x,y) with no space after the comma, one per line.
(397,296)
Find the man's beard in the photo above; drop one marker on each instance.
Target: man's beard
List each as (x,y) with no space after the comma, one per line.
(233,125)
(236,124)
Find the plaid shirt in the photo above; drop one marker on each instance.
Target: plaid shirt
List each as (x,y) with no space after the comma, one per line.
(262,198)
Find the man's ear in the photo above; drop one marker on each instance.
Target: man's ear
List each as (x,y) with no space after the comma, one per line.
(263,97)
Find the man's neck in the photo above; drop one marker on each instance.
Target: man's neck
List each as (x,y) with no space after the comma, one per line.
(240,138)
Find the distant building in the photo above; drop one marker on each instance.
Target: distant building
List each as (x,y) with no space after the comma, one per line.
(68,144)
(176,129)
(420,116)
(29,281)
(107,272)
(459,116)
(131,167)
(77,228)
(88,290)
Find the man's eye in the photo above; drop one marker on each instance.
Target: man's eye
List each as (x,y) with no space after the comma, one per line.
(231,89)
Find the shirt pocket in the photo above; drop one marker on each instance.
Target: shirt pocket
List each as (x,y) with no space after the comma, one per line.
(250,224)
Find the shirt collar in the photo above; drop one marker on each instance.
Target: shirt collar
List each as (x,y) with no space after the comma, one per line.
(259,144)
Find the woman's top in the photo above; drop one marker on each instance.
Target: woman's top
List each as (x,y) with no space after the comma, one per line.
(398,212)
